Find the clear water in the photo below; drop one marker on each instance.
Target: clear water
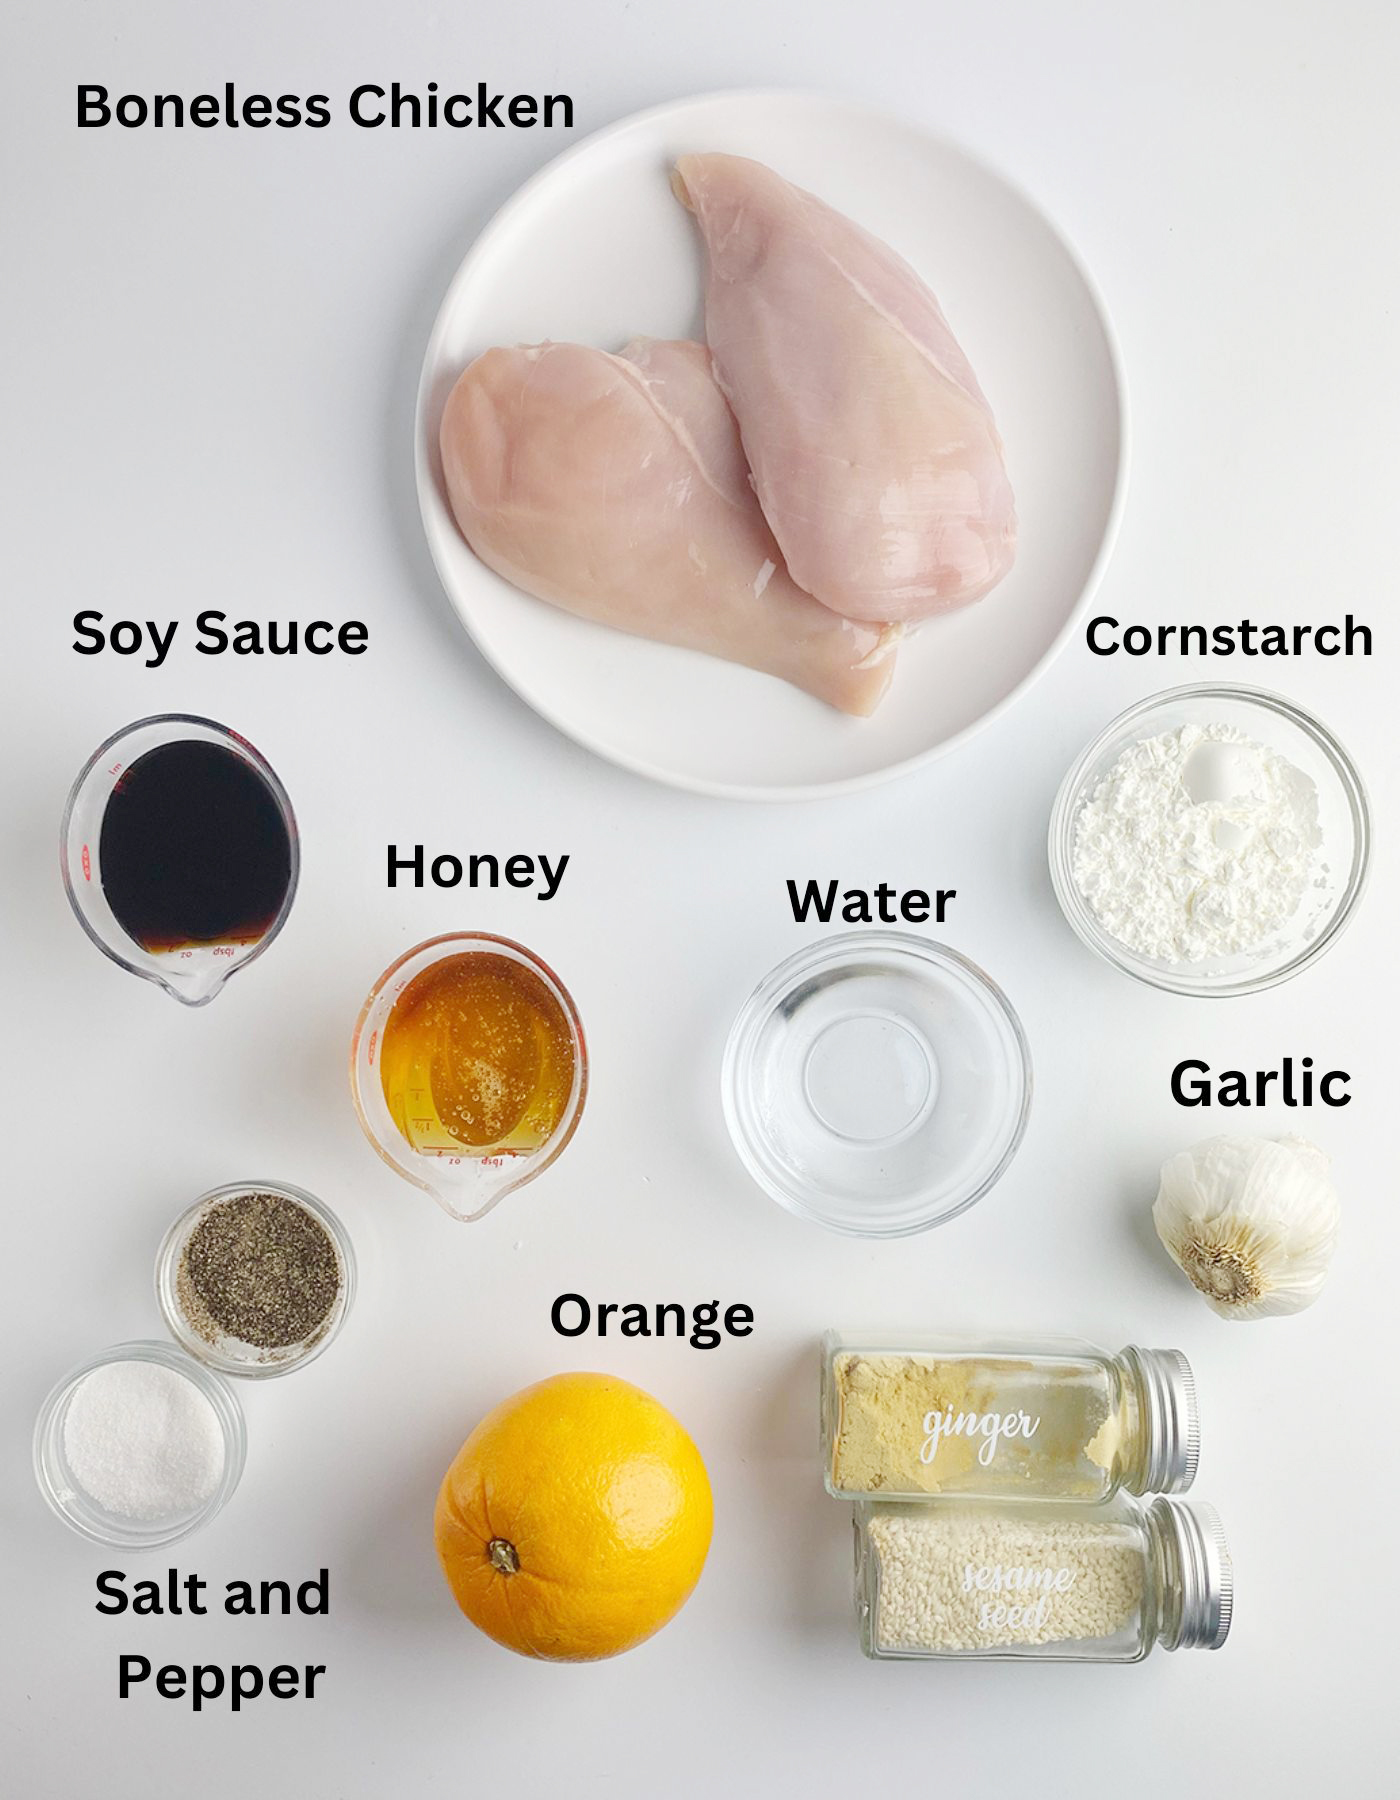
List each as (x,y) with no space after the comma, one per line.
(879,1092)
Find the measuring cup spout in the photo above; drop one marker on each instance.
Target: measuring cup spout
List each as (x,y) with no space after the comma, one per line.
(195,986)
(477,1193)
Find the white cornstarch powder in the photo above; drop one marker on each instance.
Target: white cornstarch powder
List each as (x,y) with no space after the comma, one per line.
(143,1441)
(957,1581)
(1197,844)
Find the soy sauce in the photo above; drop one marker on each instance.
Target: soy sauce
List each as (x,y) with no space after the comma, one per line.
(194,848)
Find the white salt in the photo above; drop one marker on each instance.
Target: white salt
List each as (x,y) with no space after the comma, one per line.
(143,1441)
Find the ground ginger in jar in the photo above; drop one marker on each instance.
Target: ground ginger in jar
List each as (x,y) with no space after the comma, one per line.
(1058,1420)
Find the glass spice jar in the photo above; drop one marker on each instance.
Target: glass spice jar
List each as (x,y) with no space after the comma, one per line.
(1046,1582)
(908,1418)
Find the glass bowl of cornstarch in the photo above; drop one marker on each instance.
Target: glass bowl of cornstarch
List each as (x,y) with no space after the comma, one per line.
(1212,840)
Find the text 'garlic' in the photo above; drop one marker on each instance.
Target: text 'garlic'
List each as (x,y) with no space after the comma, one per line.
(1252,1222)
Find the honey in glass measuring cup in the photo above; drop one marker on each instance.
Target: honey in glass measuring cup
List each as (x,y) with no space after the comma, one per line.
(469,1069)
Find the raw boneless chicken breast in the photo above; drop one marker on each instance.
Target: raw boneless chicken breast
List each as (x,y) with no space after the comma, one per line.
(616,487)
(874,453)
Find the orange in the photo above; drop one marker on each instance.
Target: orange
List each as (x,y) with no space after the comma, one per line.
(574,1521)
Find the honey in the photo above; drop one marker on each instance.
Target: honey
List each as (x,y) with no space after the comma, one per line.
(478,1058)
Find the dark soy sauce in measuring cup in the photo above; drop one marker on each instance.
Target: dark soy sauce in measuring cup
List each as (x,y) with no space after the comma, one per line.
(194,848)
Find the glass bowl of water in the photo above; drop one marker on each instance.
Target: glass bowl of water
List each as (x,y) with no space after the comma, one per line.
(877,1083)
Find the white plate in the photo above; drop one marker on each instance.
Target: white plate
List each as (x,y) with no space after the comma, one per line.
(596,249)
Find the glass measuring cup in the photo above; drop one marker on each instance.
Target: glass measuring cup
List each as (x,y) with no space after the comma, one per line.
(192,973)
(466,1181)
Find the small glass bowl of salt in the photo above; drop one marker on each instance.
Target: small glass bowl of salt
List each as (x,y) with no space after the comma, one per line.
(1211,840)
(139,1446)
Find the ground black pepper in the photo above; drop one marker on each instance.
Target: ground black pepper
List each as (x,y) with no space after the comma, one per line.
(261,1268)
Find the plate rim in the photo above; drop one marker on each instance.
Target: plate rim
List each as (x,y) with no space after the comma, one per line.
(431,506)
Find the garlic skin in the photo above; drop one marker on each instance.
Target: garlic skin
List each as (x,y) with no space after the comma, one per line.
(1251,1222)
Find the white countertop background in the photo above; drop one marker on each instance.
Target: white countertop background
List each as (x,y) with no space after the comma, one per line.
(212,341)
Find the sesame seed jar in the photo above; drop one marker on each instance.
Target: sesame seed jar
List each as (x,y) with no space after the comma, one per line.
(1044,1583)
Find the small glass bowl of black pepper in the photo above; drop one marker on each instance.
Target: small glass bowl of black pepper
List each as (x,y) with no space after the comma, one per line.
(255,1279)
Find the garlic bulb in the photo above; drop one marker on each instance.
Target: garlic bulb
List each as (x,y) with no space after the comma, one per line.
(1252,1223)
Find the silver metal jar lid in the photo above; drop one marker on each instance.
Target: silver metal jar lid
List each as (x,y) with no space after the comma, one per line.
(1204,1572)
(1171,1420)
